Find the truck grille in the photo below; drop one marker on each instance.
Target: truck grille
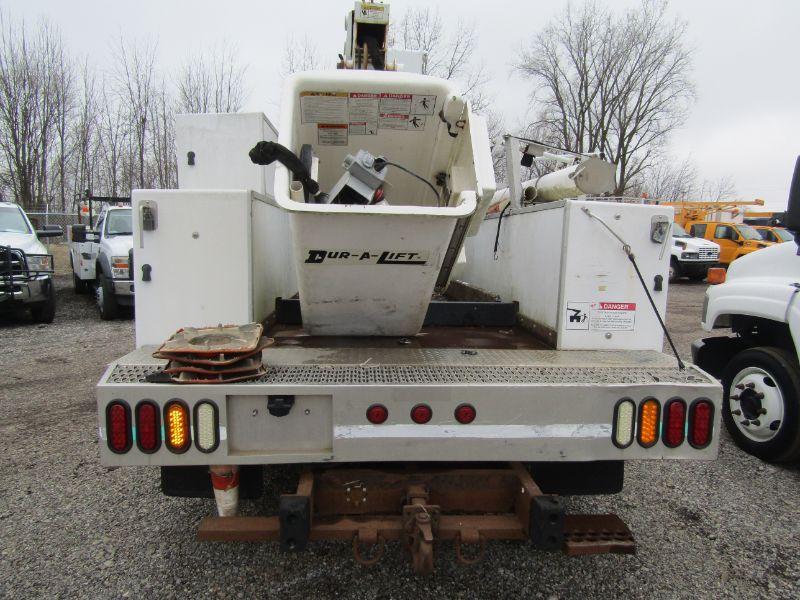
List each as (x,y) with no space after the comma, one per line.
(12,262)
(708,253)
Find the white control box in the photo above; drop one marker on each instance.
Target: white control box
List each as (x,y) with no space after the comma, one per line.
(575,286)
(213,151)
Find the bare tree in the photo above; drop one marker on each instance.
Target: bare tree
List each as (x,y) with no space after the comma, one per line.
(614,85)
(113,141)
(134,76)
(449,53)
(162,119)
(299,55)
(85,134)
(671,180)
(717,190)
(28,106)
(212,81)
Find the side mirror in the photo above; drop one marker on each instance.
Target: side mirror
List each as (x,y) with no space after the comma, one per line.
(792,215)
(50,231)
(78,233)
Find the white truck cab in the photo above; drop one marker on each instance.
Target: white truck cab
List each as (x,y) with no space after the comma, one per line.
(102,258)
(691,256)
(758,362)
(26,268)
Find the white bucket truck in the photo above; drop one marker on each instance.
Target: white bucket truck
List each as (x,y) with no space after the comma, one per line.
(421,407)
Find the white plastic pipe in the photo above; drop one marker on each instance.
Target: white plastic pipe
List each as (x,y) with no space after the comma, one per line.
(296,192)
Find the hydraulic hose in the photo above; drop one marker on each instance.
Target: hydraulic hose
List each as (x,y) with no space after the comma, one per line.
(265,153)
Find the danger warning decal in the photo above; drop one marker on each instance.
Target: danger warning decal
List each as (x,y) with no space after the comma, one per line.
(601,316)
(363,113)
(365,257)
(323,107)
(332,134)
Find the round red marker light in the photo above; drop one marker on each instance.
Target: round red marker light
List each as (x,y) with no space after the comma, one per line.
(421,413)
(377,414)
(465,413)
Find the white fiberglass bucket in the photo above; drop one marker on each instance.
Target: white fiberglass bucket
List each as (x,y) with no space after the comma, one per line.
(371,269)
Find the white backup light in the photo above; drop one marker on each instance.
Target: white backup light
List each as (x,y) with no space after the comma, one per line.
(206,423)
(623,423)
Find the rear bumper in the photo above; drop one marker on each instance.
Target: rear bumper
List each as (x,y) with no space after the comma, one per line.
(531,405)
(24,291)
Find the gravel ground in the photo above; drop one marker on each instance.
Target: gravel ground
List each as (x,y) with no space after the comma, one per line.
(70,527)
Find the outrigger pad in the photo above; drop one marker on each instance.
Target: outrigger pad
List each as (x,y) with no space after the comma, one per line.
(547,523)
(294,514)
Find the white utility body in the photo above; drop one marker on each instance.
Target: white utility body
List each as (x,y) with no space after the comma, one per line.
(577,338)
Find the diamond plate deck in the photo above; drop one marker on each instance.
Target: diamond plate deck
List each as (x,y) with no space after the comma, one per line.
(441,375)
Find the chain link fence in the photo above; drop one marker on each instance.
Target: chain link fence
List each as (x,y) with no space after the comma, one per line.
(63,220)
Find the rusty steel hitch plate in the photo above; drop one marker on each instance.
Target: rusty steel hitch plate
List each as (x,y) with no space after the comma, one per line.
(421,506)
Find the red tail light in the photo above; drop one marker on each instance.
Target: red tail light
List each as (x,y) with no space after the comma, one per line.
(421,413)
(701,423)
(147,427)
(674,423)
(377,414)
(118,425)
(465,413)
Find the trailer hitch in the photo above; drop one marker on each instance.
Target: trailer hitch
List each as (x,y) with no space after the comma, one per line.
(466,505)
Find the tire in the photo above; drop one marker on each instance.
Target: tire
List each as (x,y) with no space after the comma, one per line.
(45,312)
(674,270)
(762,385)
(106,301)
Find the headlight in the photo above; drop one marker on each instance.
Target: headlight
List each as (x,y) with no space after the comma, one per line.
(119,267)
(690,255)
(40,262)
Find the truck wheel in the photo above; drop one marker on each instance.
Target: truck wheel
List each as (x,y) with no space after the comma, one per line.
(106,301)
(761,403)
(45,312)
(674,270)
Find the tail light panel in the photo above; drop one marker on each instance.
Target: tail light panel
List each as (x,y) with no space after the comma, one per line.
(674,423)
(421,414)
(624,425)
(465,414)
(177,435)
(701,423)
(206,426)
(118,427)
(148,427)
(649,413)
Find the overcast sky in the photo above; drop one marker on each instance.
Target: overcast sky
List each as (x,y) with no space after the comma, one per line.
(745,123)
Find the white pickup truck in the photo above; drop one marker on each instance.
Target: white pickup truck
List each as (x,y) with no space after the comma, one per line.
(691,256)
(758,362)
(102,259)
(26,268)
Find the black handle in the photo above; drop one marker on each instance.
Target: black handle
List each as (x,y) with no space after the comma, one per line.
(265,153)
